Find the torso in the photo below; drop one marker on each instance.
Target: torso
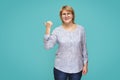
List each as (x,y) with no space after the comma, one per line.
(69,54)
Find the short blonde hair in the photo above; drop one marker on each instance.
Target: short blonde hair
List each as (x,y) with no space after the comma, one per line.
(68,8)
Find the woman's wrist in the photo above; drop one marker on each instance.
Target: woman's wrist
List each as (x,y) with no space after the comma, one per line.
(86,64)
(47,31)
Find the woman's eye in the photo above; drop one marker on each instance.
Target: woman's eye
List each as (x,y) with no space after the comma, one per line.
(64,14)
(68,13)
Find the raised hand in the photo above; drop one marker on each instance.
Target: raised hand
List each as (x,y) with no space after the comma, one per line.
(48,25)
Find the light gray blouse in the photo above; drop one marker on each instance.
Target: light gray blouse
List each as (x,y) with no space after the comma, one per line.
(72,53)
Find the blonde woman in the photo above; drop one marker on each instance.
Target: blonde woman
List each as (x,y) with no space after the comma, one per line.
(71,57)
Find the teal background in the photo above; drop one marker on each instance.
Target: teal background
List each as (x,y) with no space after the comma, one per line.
(22,53)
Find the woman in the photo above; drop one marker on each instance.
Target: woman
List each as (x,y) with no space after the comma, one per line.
(71,57)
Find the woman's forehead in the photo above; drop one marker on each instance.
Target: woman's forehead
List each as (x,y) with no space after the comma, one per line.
(66,11)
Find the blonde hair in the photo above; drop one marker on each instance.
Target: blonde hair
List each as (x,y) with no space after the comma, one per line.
(67,8)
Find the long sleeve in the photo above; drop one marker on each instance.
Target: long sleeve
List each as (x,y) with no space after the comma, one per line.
(71,52)
(84,47)
(50,40)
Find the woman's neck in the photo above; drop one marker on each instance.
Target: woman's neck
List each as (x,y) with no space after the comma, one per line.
(69,25)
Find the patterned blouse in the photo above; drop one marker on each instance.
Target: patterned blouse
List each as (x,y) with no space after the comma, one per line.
(72,53)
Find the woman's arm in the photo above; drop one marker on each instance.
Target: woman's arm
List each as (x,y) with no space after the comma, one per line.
(85,54)
(49,39)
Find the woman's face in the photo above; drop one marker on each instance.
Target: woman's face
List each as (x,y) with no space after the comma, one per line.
(66,16)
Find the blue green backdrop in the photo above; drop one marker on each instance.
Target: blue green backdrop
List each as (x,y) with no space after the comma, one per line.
(22,53)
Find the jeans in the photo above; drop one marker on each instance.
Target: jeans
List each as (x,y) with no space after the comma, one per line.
(59,75)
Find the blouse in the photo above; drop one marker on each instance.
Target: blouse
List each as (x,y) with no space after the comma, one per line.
(72,53)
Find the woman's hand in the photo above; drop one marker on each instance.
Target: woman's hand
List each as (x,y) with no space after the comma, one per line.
(48,25)
(85,69)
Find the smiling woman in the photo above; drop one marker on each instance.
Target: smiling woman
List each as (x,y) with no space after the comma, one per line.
(71,58)
(67,13)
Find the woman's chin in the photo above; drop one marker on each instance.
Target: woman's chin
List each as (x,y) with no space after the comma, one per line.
(67,22)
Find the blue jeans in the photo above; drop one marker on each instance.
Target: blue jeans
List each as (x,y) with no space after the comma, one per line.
(59,75)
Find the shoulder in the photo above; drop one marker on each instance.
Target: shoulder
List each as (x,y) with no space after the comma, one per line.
(80,27)
(57,29)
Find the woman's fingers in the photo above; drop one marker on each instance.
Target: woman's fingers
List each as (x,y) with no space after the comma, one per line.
(48,24)
(84,71)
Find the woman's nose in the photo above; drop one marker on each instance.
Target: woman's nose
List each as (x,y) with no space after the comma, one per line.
(67,15)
